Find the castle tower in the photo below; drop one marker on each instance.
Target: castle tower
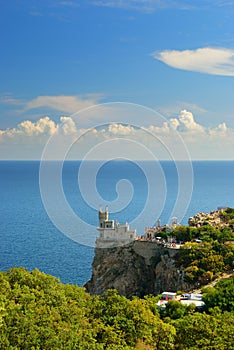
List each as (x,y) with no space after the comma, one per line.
(174,222)
(103,217)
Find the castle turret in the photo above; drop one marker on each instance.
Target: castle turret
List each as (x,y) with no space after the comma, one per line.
(103,217)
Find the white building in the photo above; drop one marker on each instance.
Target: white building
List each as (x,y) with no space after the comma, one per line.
(168,295)
(111,235)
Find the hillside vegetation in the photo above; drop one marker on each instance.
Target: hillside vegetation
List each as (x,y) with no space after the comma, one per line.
(37,312)
(208,249)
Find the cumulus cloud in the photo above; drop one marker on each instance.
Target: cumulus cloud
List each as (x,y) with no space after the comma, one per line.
(215,61)
(68,125)
(202,142)
(120,129)
(186,122)
(183,124)
(164,129)
(174,123)
(221,129)
(44,127)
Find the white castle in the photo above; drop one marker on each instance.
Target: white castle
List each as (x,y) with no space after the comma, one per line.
(111,235)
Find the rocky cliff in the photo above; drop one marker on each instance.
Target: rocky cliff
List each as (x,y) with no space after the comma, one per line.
(139,268)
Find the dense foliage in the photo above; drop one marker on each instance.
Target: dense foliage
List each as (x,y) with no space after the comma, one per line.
(208,251)
(37,312)
(206,260)
(228,216)
(221,296)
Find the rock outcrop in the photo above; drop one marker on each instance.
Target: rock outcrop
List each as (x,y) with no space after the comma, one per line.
(215,218)
(139,268)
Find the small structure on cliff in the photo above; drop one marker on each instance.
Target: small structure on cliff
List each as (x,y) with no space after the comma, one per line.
(111,235)
(153,233)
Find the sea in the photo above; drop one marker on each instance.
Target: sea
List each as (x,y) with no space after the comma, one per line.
(34,236)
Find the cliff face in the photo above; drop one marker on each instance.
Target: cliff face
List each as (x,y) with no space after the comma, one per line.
(138,268)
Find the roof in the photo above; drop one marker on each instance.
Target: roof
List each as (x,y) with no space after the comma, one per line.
(169,293)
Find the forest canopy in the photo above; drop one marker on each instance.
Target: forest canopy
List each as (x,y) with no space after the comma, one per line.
(37,312)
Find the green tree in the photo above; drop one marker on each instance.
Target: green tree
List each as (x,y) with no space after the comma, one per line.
(174,309)
(221,295)
(202,331)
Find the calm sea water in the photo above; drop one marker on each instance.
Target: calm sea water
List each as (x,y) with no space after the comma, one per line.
(28,237)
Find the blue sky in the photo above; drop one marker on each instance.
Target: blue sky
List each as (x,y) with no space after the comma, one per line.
(58,57)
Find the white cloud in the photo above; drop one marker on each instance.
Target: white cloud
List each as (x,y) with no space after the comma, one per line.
(9,100)
(144,5)
(120,129)
(221,129)
(202,142)
(154,5)
(174,109)
(27,129)
(67,104)
(186,123)
(68,125)
(215,61)
(164,129)
(63,103)
(44,127)
(147,6)
(68,3)
(174,123)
